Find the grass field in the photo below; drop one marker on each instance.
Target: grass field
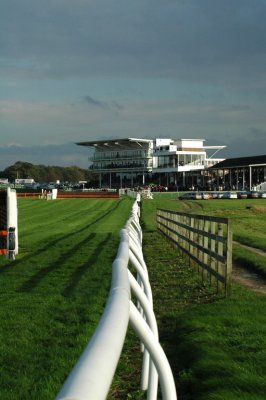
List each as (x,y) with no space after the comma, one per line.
(216,346)
(53,295)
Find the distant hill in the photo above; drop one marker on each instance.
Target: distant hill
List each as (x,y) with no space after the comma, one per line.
(45,173)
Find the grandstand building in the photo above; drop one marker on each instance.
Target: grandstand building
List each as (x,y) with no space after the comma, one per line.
(135,162)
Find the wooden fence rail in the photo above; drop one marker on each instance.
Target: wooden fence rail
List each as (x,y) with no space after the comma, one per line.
(206,240)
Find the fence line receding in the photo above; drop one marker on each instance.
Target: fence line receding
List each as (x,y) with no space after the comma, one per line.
(206,240)
(93,373)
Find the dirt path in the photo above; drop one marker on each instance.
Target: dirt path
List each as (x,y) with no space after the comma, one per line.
(249,278)
(253,249)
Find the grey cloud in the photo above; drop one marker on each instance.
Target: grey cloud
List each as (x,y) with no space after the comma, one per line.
(206,39)
(256,134)
(240,107)
(251,143)
(112,105)
(212,51)
(116,105)
(94,102)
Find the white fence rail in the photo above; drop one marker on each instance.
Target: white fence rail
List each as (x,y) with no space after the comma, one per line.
(143,193)
(92,376)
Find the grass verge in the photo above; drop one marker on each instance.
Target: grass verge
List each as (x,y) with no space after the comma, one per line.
(249,259)
(216,346)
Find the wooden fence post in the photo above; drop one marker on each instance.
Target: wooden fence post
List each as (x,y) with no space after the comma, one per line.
(205,241)
(221,267)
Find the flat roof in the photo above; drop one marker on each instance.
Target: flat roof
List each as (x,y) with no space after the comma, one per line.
(241,162)
(125,142)
(214,147)
(197,140)
(114,142)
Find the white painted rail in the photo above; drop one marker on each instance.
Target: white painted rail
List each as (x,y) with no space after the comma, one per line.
(92,376)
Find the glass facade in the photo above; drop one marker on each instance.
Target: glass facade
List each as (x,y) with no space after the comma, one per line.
(180,160)
(127,159)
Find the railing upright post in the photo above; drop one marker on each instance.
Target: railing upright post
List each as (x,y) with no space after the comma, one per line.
(228,270)
(145,334)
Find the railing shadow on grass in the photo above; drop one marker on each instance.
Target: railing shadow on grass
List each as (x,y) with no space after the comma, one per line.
(57,240)
(55,264)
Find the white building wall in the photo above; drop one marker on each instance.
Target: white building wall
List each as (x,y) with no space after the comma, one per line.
(163,142)
(191,143)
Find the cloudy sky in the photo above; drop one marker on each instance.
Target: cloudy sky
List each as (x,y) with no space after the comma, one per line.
(79,70)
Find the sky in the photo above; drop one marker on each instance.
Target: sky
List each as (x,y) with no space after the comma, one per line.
(73,71)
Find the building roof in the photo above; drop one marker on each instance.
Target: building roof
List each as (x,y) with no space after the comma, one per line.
(114,143)
(128,141)
(241,162)
(214,147)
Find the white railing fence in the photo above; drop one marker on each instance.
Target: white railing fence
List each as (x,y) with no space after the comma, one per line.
(143,193)
(93,373)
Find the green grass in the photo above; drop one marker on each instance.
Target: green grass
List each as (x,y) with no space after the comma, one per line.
(222,349)
(54,293)
(216,346)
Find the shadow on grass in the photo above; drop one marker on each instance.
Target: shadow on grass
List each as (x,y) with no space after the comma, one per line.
(56,241)
(33,282)
(181,354)
(77,274)
(203,368)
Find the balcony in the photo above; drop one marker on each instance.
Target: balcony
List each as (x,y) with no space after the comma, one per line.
(116,157)
(113,167)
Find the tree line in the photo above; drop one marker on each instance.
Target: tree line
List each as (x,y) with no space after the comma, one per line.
(44,173)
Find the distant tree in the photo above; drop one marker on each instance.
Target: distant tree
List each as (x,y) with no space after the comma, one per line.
(18,170)
(44,173)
